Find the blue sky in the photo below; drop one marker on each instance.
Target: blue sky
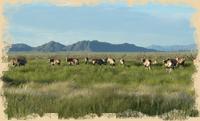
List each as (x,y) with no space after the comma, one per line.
(143,25)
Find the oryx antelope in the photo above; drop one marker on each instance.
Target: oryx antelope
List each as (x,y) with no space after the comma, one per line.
(98,61)
(180,61)
(54,61)
(19,61)
(170,64)
(110,61)
(72,61)
(147,63)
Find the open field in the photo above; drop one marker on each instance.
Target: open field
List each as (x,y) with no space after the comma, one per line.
(76,91)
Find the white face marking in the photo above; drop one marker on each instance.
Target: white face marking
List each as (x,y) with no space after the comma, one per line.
(168,64)
(147,63)
(111,61)
(122,61)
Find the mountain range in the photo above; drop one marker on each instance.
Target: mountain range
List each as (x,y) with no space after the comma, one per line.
(97,46)
(92,46)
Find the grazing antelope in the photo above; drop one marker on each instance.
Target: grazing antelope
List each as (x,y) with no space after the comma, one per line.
(53,61)
(19,61)
(170,64)
(147,63)
(121,61)
(76,61)
(72,61)
(180,61)
(98,61)
(110,61)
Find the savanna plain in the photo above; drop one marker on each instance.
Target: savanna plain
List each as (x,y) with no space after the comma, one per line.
(77,91)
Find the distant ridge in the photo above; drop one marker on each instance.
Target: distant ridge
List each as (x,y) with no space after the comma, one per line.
(51,47)
(20,47)
(190,47)
(97,46)
(86,45)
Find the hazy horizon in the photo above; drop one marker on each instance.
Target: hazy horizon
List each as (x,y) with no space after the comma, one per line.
(142,25)
(103,41)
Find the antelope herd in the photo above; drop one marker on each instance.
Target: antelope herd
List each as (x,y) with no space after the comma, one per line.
(170,63)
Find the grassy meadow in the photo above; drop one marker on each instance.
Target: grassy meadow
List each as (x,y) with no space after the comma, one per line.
(77,91)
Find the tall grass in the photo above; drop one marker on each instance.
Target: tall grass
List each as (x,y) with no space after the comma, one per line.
(75,91)
(104,101)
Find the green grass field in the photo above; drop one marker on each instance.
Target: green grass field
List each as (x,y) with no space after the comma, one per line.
(76,91)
